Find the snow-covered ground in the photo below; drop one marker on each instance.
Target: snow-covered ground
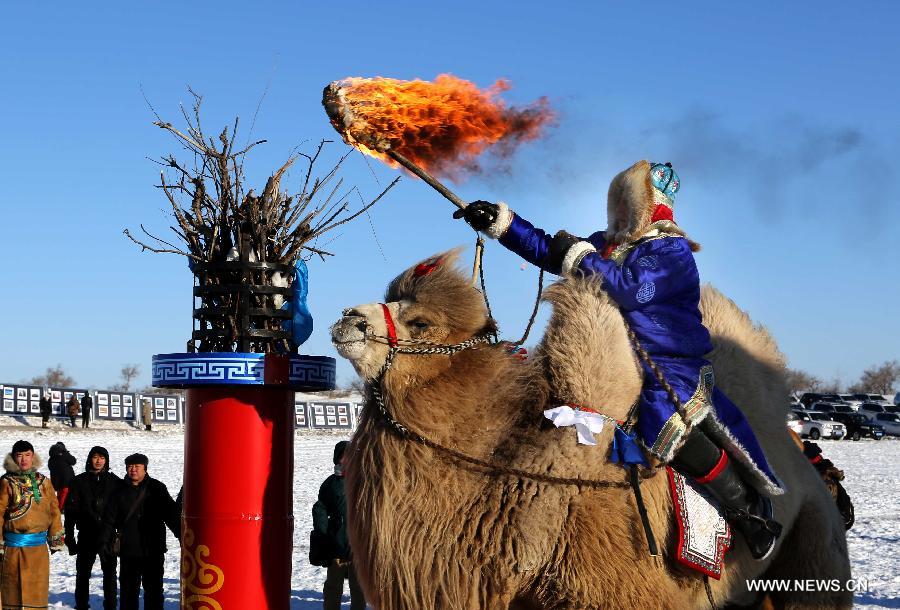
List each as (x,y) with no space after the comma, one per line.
(872,470)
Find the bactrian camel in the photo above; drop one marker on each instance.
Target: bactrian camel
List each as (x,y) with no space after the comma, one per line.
(431,532)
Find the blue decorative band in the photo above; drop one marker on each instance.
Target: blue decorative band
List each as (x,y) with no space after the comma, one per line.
(12,539)
(182,370)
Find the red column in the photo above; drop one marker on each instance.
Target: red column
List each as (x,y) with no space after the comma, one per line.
(237,530)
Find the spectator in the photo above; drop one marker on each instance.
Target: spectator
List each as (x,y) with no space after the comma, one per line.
(330,527)
(90,493)
(147,413)
(72,408)
(46,409)
(87,403)
(61,472)
(136,516)
(30,521)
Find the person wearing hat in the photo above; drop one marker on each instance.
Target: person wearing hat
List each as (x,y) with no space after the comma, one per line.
(30,521)
(329,545)
(61,472)
(46,407)
(645,263)
(136,516)
(89,494)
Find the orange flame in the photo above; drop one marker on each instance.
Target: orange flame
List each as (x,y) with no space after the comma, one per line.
(442,126)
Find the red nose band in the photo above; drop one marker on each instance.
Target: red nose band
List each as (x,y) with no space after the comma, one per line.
(389,322)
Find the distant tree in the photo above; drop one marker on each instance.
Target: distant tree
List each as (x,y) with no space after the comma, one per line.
(831,387)
(878,379)
(128,374)
(55,377)
(801,381)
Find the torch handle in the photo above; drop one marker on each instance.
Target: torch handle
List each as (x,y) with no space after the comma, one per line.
(431,180)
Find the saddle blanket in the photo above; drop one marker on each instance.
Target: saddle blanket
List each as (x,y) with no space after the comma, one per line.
(703,533)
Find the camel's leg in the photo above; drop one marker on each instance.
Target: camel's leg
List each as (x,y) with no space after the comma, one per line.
(814,552)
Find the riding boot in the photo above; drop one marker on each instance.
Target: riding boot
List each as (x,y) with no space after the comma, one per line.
(750,513)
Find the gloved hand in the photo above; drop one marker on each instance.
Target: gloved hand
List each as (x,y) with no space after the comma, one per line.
(479,214)
(559,246)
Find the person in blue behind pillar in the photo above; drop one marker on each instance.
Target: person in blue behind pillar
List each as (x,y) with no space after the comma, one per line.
(646,265)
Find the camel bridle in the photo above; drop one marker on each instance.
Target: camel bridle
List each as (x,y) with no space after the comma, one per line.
(429,348)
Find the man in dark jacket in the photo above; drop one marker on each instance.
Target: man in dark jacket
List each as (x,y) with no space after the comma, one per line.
(139,512)
(330,537)
(88,496)
(86,404)
(61,472)
(46,409)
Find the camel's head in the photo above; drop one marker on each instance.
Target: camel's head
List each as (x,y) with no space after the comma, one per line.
(432,301)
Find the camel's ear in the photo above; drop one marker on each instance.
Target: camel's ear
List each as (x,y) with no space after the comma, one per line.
(444,265)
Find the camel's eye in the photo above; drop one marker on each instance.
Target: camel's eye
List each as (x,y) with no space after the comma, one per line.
(418,324)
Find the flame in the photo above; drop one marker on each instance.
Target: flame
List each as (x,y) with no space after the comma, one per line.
(442,126)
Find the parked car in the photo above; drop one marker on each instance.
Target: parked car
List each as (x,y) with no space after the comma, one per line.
(858,426)
(890,422)
(831,407)
(876,398)
(807,399)
(871,409)
(794,424)
(817,425)
(892,408)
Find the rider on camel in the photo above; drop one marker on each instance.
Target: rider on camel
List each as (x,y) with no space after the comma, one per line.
(646,265)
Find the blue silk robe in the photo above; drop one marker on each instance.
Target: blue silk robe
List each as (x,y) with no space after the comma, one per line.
(655,282)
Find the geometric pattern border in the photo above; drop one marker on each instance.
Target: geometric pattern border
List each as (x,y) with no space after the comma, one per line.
(184,370)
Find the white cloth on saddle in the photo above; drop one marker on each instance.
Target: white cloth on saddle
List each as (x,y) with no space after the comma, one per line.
(587,423)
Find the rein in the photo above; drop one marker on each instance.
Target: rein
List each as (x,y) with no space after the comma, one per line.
(405,433)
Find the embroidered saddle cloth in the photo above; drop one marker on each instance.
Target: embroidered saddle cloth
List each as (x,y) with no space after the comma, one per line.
(703,533)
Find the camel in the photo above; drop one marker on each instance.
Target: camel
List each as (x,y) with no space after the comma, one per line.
(432,532)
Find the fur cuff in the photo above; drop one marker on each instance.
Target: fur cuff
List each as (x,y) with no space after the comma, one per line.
(501,223)
(574,256)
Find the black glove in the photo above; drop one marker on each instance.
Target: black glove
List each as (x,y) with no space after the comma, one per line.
(479,214)
(559,246)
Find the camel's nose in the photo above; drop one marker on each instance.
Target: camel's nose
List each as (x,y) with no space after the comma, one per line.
(361,325)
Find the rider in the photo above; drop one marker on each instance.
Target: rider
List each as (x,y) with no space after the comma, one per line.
(646,264)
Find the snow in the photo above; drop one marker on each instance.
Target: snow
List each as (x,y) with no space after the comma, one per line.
(871,469)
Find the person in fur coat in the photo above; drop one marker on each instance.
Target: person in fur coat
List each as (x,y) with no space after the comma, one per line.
(645,263)
(30,521)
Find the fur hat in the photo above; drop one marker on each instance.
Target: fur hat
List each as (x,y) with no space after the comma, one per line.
(137,458)
(639,196)
(339,451)
(22,447)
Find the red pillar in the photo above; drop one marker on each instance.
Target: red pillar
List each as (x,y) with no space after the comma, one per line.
(237,530)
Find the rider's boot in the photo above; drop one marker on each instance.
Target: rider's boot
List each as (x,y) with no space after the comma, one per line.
(749,512)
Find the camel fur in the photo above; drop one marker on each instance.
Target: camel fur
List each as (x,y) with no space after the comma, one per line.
(428,532)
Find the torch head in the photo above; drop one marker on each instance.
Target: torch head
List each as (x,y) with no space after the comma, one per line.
(353,129)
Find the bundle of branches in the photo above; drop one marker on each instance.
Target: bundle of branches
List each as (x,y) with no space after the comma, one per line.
(242,246)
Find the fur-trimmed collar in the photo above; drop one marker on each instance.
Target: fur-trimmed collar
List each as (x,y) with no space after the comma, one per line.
(12,468)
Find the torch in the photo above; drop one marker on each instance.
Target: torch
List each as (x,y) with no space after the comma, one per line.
(442,126)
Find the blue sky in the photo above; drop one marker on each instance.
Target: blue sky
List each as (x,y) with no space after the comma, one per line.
(781,119)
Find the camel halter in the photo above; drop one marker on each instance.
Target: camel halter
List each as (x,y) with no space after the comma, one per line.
(402,431)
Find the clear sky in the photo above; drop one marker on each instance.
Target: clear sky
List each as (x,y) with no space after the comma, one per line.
(781,119)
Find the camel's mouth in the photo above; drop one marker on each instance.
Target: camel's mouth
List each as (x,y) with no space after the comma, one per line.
(349,337)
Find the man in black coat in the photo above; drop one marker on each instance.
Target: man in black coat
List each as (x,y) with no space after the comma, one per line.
(86,404)
(139,513)
(61,472)
(46,409)
(88,497)
(330,538)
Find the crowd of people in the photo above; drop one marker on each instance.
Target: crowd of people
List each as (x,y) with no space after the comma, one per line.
(123,522)
(94,514)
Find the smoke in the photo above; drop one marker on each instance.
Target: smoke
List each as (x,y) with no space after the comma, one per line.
(778,166)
